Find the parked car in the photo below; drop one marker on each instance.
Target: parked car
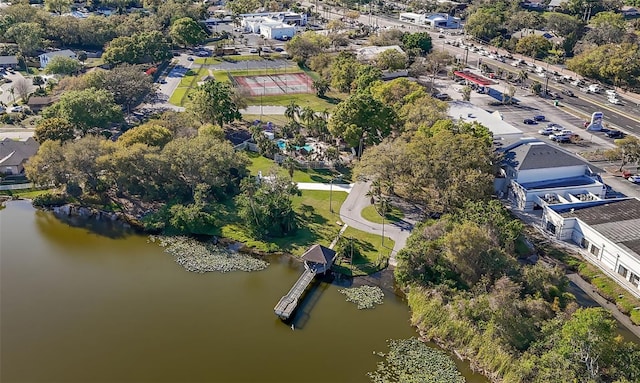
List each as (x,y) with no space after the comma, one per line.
(555,127)
(189,58)
(253,50)
(546,131)
(528,121)
(634,179)
(442,97)
(278,49)
(16,109)
(614,134)
(562,136)
(539,117)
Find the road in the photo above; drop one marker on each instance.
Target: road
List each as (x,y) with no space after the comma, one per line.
(625,117)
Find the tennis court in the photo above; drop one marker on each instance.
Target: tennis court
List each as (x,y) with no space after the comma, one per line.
(274,84)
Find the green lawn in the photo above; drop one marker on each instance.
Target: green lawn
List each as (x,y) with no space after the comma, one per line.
(371,214)
(302,99)
(207,60)
(316,224)
(279,120)
(178,95)
(25,193)
(260,163)
(373,252)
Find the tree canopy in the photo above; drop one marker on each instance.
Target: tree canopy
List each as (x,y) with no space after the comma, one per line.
(63,66)
(213,102)
(186,32)
(139,48)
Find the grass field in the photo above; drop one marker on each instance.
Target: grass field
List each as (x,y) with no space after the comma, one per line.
(316,224)
(371,214)
(25,193)
(302,99)
(374,253)
(260,163)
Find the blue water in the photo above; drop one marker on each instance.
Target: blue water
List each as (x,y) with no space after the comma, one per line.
(282,144)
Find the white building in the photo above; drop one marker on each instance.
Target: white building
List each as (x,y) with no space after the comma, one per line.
(501,130)
(46,57)
(299,19)
(277,30)
(607,231)
(432,20)
(535,174)
(371,52)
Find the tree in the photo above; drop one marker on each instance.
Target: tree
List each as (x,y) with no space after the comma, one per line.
(629,150)
(419,40)
(366,76)
(534,46)
(343,71)
(212,102)
(82,56)
(28,36)
(22,88)
(362,117)
(466,93)
(606,28)
(484,24)
(563,24)
(186,32)
(128,84)
(243,6)
(63,66)
(58,6)
(587,339)
(266,207)
(149,134)
(524,20)
(48,166)
(611,63)
(306,45)
(54,129)
(86,109)
(38,81)
(321,86)
(142,47)
(397,92)
(293,111)
(391,60)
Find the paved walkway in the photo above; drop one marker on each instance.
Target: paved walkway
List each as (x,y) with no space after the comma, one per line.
(264,109)
(350,214)
(326,187)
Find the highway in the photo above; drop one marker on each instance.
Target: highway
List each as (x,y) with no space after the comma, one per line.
(625,117)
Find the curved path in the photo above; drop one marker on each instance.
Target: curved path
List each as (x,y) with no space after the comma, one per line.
(350,214)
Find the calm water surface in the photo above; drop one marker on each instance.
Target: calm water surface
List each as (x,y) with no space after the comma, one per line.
(77,306)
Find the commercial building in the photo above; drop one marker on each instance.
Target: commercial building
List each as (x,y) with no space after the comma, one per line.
(432,20)
(501,130)
(606,231)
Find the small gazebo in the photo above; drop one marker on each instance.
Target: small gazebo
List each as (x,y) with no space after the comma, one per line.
(318,258)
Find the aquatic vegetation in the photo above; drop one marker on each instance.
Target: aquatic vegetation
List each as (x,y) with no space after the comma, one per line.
(366,297)
(201,257)
(410,360)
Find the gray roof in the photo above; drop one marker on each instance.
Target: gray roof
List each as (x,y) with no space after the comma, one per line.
(14,153)
(540,155)
(618,221)
(319,254)
(8,60)
(64,52)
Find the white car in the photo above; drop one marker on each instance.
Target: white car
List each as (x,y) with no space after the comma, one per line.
(611,93)
(615,101)
(634,179)
(16,109)
(546,131)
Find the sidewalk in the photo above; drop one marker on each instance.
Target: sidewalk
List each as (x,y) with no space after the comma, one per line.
(326,187)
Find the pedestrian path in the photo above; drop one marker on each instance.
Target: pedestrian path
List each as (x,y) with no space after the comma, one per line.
(324,186)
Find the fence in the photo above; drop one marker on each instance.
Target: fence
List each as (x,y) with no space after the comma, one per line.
(17,186)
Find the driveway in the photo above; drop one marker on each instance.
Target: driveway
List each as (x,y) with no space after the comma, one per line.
(171,78)
(6,96)
(350,214)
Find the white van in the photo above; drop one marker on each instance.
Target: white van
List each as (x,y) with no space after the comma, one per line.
(594,88)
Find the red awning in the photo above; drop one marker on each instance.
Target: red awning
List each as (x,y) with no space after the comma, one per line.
(483,81)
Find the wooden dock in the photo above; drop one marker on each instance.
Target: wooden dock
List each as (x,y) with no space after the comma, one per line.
(289,302)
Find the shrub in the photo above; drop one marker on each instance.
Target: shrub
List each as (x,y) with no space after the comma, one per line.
(48,199)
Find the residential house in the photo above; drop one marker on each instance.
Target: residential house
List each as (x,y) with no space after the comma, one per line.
(15,153)
(552,37)
(8,61)
(36,104)
(46,57)
(555,4)
(629,11)
(535,174)
(606,231)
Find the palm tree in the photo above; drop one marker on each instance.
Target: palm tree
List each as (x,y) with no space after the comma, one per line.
(522,75)
(307,115)
(293,111)
(290,165)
